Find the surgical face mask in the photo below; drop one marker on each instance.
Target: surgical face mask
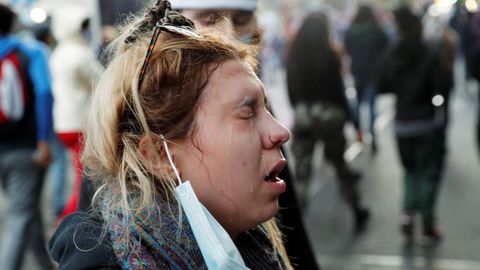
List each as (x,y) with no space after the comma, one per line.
(217,248)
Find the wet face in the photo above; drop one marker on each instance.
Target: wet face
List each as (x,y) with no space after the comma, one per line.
(243,22)
(233,158)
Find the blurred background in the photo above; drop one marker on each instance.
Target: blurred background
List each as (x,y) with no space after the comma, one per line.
(374,157)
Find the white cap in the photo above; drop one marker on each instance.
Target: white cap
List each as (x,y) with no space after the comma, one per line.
(248,5)
(67,21)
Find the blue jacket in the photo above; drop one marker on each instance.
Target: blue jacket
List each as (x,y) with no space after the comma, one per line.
(39,75)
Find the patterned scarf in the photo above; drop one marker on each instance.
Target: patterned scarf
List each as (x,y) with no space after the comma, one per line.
(157,242)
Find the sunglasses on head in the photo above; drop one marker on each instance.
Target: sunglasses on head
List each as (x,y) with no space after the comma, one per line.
(180,30)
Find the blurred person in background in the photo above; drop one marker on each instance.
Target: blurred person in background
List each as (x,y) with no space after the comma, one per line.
(316,90)
(58,168)
(365,42)
(25,130)
(476,64)
(187,155)
(239,15)
(74,69)
(238,18)
(440,38)
(412,70)
(461,22)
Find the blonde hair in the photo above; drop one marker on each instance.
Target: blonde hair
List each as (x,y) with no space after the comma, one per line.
(122,114)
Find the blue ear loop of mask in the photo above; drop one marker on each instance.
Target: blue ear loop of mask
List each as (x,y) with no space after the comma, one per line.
(217,248)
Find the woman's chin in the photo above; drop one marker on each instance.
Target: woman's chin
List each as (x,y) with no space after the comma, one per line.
(269,212)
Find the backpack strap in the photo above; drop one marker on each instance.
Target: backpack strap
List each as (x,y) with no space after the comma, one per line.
(13,93)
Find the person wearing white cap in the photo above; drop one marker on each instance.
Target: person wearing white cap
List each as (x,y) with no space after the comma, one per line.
(74,68)
(240,14)
(240,17)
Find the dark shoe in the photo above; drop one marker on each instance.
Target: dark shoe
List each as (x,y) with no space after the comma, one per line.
(374,147)
(407,228)
(353,177)
(361,219)
(356,176)
(431,236)
(347,174)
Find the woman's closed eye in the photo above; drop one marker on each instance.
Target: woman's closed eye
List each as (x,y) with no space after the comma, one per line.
(248,107)
(209,18)
(247,113)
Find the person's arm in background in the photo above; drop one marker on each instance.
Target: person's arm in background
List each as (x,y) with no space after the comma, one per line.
(382,40)
(349,115)
(443,79)
(348,42)
(340,96)
(383,74)
(40,75)
(341,52)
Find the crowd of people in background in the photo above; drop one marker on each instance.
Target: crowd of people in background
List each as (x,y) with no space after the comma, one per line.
(414,63)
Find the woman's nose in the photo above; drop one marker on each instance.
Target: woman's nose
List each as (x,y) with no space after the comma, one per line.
(278,135)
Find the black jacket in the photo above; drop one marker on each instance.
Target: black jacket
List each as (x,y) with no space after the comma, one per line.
(411,70)
(365,43)
(314,73)
(80,242)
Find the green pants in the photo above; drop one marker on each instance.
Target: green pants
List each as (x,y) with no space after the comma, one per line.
(422,158)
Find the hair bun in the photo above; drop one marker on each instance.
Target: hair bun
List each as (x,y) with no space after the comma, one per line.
(160,12)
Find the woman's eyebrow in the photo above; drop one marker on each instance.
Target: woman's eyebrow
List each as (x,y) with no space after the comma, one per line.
(248,102)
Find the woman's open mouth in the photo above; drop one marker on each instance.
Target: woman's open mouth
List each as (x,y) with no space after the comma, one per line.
(272,175)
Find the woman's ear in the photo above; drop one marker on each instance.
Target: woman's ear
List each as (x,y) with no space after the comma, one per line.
(148,149)
(154,156)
